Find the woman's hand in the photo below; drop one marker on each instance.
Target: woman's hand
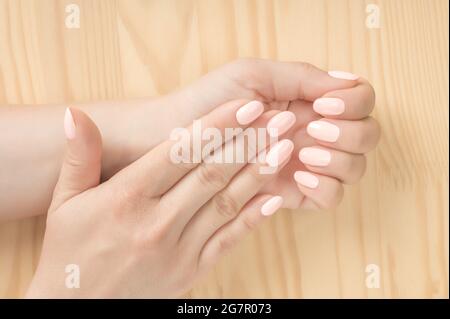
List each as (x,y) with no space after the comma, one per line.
(332,136)
(157,225)
(333,129)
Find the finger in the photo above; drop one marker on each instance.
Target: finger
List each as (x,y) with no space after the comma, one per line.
(287,81)
(272,80)
(302,111)
(81,165)
(348,168)
(167,163)
(321,192)
(351,136)
(350,103)
(216,172)
(254,212)
(227,204)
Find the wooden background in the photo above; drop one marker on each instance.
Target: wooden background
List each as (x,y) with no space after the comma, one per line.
(396,218)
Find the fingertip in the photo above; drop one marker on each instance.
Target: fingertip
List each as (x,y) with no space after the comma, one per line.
(352,103)
(249,112)
(321,191)
(78,125)
(343,75)
(69,125)
(306,179)
(81,167)
(280,123)
(271,205)
(329,106)
(280,153)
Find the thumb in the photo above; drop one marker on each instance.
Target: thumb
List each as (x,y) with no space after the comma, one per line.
(81,167)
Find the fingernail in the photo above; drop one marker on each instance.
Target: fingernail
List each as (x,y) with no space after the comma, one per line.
(69,125)
(323,130)
(329,106)
(280,123)
(272,205)
(343,75)
(279,153)
(306,179)
(315,156)
(249,112)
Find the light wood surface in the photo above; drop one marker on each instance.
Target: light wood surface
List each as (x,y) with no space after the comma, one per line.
(396,217)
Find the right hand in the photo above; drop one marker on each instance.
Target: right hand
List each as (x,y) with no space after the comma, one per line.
(156,226)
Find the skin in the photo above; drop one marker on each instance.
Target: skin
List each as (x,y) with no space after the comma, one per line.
(156,226)
(132,128)
(141,234)
(138,227)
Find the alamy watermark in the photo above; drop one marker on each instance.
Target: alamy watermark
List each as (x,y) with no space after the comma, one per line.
(373,16)
(232,145)
(73,276)
(72,20)
(373,278)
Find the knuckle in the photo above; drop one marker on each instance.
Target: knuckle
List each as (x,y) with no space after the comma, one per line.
(151,239)
(307,67)
(212,175)
(249,223)
(355,168)
(129,200)
(376,132)
(129,195)
(362,166)
(360,140)
(158,234)
(125,202)
(326,204)
(334,198)
(371,97)
(75,162)
(225,243)
(337,196)
(367,136)
(366,97)
(346,168)
(246,72)
(225,205)
(257,177)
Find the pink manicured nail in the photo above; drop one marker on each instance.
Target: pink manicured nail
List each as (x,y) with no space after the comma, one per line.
(272,205)
(306,179)
(280,123)
(315,156)
(323,130)
(279,153)
(69,125)
(329,106)
(249,112)
(343,75)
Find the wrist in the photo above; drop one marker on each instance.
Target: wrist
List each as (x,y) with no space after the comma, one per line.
(138,126)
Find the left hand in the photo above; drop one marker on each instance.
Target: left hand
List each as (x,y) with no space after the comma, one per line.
(339,141)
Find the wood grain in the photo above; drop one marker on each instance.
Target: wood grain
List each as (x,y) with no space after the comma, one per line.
(396,217)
